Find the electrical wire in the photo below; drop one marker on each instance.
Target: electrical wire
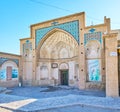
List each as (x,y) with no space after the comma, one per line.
(50,5)
(53,6)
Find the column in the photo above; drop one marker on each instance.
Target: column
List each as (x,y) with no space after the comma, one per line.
(112,89)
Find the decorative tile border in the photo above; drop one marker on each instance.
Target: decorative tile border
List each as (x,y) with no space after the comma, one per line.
(70,27)
(92,36)
(2,60)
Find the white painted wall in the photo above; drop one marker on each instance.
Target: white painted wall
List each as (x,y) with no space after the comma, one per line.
(27,71)
(38,73)
(44,71)
(55,73)
(71,70)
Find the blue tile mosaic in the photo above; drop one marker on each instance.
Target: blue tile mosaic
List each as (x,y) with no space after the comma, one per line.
(92,36)
(70,27)
(14,73)
(2,60)
(92,30)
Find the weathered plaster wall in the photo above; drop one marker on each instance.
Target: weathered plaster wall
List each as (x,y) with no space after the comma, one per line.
(111,66)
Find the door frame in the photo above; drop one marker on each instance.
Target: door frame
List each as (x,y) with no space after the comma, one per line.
(60,70)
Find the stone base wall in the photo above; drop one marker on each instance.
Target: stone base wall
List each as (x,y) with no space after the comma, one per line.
(95,85)
(11,83)
(42,82)
(73,83)
(46,82)
(26,83)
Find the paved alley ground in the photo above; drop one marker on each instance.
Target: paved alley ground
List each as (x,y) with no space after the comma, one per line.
(57,99)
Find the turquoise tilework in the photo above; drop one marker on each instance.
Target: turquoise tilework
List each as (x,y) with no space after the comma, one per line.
(14,73)
(92,36)
(92,30)
(71,27)
(2,60)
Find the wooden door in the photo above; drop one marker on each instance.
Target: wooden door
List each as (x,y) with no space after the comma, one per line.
(9,72)
(64,77)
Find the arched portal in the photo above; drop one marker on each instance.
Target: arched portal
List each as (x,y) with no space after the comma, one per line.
(57,47)
(57,42)
(9,70)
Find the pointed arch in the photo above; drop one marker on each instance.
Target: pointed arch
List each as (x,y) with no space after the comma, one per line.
(54,32)
(9,63)
(50,33)
(93,49)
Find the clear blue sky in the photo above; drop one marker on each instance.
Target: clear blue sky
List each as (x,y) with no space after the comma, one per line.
(16,16)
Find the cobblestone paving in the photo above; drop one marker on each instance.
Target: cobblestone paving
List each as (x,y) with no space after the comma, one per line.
(49,91)
(70,103)
(49,99)
(75,108)
(79,108)
(2,89)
